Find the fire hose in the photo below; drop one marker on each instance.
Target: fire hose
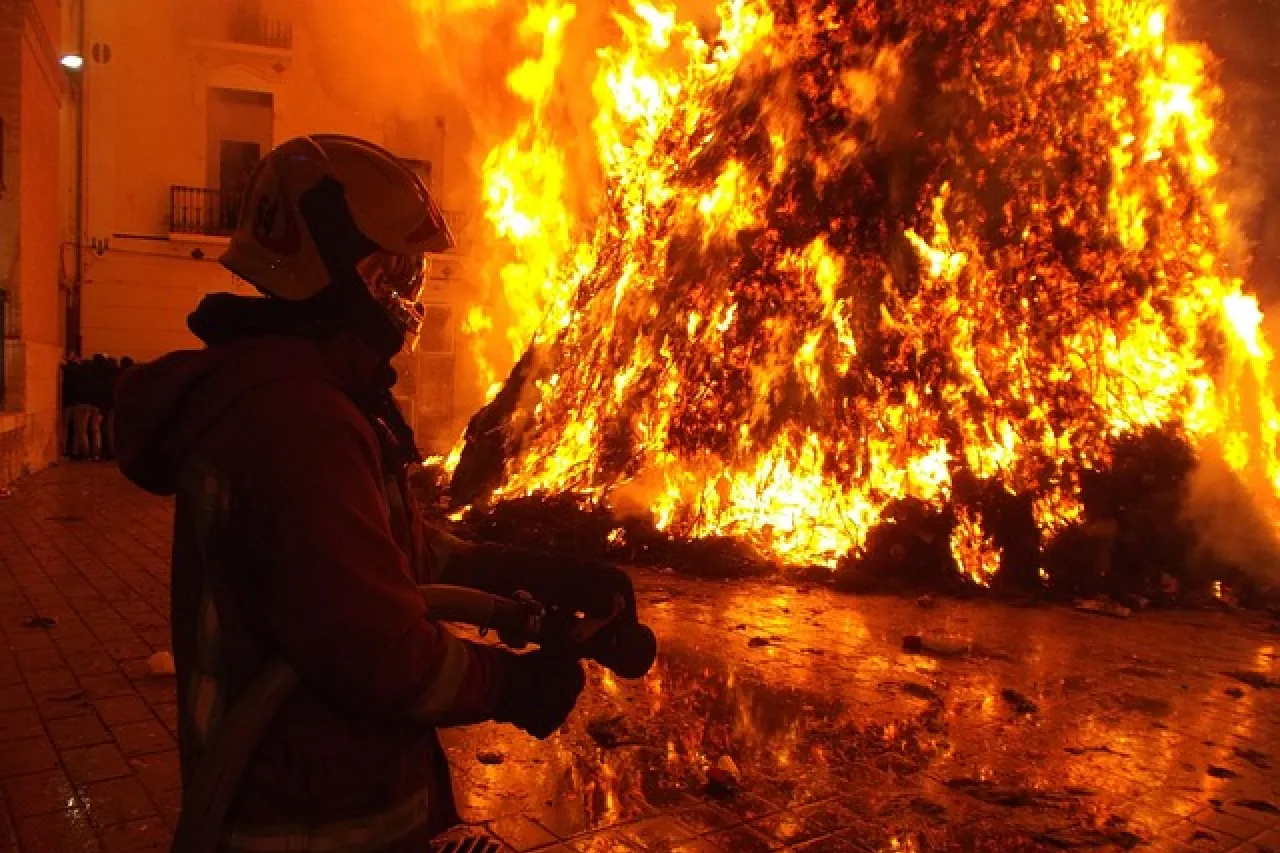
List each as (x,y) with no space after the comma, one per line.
(614,639)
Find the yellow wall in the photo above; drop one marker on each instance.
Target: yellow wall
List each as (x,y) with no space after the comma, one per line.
(41,230)
(147,128)
(148,113)
(32,85)
(137,297)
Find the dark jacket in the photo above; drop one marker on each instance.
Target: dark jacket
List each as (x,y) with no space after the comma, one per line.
(295,537)
(95,382)
(72,384)
(107,385)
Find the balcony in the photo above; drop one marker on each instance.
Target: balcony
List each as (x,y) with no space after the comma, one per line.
(202,212)
(248,27)
(239,29)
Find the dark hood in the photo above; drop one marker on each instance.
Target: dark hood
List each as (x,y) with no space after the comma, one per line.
(164,408)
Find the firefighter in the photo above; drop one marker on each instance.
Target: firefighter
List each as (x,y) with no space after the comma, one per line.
(308,670)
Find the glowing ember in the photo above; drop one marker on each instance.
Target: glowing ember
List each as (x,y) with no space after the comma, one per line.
(974,552)
(852,252)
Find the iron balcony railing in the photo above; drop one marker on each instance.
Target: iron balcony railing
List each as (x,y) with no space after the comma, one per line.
(199,210)
(249,27)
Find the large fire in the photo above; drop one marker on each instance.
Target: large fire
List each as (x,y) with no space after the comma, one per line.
(847,252)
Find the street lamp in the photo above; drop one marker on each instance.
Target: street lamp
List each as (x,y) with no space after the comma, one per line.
(72,62)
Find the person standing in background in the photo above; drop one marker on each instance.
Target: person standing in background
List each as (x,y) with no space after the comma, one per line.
(72,397)
(111,374)
(96,379)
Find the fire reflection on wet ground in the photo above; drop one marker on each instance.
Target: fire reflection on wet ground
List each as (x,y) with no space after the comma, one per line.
(1017,729)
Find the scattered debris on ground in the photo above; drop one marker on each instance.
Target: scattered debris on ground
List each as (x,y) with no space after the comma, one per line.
(161,664)
(41,622)
(1103,607)
(1085,750)
(938,647)
(1014,796)
(1235,692)
(928,808)
(1258,680)
(612,732)
(1222,772)
(757,642)
(1138,671)
(920,691)
(1072,838)
(1019,702)
(490,758)
(1255,757)
(724,779)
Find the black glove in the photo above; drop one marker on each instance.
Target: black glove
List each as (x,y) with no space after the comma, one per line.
(538,692)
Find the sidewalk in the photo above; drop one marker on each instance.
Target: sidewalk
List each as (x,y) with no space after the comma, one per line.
(89,760)
(1054,730)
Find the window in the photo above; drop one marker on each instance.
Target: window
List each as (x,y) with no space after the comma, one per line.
(240,129)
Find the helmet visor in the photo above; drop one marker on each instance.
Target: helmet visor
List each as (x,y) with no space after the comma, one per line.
(396,282)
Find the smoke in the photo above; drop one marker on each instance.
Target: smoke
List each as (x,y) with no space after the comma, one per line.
(378,63)
(1242,35)
(368,59)
(1231,527)
(1235,513)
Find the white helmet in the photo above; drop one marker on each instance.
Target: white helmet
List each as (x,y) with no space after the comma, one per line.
(396,223)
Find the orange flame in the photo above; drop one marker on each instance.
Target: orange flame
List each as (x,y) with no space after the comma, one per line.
(749,368)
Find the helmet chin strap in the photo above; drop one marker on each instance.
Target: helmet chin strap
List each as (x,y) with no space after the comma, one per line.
(347,304)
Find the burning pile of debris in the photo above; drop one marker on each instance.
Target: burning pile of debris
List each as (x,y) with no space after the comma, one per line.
(911,292)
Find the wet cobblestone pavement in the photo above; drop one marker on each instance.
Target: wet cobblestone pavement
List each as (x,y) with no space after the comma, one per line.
(1034,729)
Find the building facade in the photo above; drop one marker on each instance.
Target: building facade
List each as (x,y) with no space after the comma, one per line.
(33,89)
(182,100)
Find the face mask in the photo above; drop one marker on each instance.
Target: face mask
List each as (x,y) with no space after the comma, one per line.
(396,282)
